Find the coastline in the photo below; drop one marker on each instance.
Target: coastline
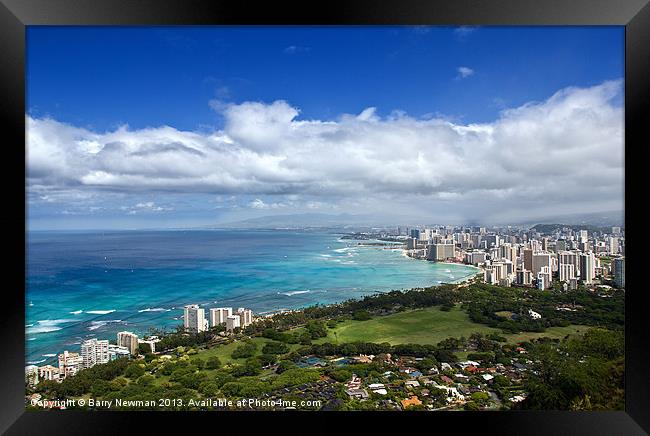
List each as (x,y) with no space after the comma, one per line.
(462,281)
(50,333)
(455,282)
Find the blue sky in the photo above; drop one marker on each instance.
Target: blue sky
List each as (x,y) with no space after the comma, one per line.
(204,80)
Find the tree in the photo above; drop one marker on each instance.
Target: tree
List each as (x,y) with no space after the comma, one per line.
(361,315)
(275,348)
(213,362)
(284,365)
(267,359)
(252,366)
(134,371)
(198,362)
(247,349)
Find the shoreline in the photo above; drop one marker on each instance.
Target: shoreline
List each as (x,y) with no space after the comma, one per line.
(264,313)
(417,289)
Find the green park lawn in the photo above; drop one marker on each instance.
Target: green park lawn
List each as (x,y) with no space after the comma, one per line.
(427,326)
(224,352)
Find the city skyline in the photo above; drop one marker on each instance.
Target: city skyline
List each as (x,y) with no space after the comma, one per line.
(428,122)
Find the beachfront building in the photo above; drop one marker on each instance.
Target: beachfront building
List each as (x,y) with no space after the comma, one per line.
(31,375)
(128,340)
(475,257)
(48,372)
(194,318)
(151,342)
(94,352)
(442,251)
(117,352)
(219,315)
(69,364)
(232,322)
(245,316)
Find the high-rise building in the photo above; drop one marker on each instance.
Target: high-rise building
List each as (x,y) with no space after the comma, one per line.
(541,260)
(587,267)
(442,251)
(619,272)
(528,259)
(492,240)
(475,257)
(583,236)
(69,364)
(524,277)
(245,316)
(613,245)
(544,278)
(508,251)
(194,318)
(616,230)
(232,322)
(31,375)
(567,272)
(218,315)
(48,372)
(128,340)
(415,233)
(94,352)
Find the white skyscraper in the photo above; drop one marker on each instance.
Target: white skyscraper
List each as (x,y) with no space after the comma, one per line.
(613,245)
(567,272)
(94,352)
(219,315)
(69,364)
(232,322)
(583,236)
(194,318)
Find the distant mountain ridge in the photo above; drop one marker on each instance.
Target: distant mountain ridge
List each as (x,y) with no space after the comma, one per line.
(320,220)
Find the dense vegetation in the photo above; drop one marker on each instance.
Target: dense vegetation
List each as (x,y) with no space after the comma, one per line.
(580,373)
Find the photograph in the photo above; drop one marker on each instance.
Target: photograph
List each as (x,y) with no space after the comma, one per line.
(400,218)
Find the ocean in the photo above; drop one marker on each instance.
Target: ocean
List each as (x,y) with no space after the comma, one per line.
(82,285)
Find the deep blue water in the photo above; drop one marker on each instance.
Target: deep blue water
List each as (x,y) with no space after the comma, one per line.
(82,285)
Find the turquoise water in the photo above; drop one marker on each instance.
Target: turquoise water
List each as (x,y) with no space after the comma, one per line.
(82,285)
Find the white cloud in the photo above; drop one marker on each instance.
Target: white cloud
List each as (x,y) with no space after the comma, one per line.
(293,49)
(148,206)
(464,72)
(567,150)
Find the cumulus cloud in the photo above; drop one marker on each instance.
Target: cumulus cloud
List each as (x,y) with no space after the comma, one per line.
(566,150)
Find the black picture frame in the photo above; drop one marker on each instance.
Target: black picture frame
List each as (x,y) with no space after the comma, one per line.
(15,15)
